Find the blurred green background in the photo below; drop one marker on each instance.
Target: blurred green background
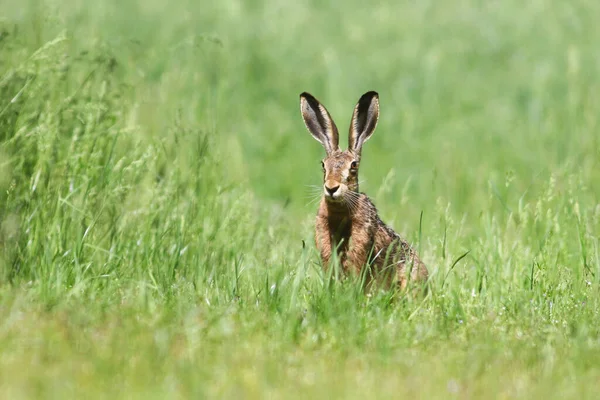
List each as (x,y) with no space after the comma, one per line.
(154,198)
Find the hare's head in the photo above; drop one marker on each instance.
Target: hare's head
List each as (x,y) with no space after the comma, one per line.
(340,168)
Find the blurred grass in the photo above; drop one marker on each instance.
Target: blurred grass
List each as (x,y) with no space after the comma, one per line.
(153,199)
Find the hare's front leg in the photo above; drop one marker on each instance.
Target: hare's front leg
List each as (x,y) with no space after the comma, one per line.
(360,246)
(323,241)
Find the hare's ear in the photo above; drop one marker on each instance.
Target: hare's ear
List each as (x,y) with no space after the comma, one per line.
(319,122)
(364,121)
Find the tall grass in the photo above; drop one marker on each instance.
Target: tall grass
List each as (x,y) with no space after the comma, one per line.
(156,226)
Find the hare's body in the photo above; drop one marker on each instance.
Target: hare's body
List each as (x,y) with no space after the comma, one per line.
(347,221)
(363,240)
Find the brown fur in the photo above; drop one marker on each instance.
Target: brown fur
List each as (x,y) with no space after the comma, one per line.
(347,220)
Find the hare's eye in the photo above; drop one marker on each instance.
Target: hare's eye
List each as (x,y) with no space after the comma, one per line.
(353,165)
(323,165)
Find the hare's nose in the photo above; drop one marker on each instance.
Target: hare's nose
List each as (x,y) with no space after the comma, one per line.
(332,190)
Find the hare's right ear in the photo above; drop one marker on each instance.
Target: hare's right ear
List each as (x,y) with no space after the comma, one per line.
(364,121)
(319,122)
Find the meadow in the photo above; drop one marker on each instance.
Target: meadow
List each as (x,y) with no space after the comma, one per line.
(156,216)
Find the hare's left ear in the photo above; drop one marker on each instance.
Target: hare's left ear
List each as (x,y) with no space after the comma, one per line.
(319,122)
(364,121)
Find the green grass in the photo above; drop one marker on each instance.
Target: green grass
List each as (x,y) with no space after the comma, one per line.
(156,235)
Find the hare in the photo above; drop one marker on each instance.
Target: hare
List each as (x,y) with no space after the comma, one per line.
(347,220)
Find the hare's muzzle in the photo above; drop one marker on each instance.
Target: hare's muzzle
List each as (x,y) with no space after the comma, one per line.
(332,191)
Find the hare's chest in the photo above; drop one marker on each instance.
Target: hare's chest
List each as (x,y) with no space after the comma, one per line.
(340,232)
(351,237)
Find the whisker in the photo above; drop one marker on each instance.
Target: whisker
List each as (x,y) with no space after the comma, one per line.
(310,203)
(313,197)
(349,205)
(314,193)
(314,190)
(351,201)
(353,195)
